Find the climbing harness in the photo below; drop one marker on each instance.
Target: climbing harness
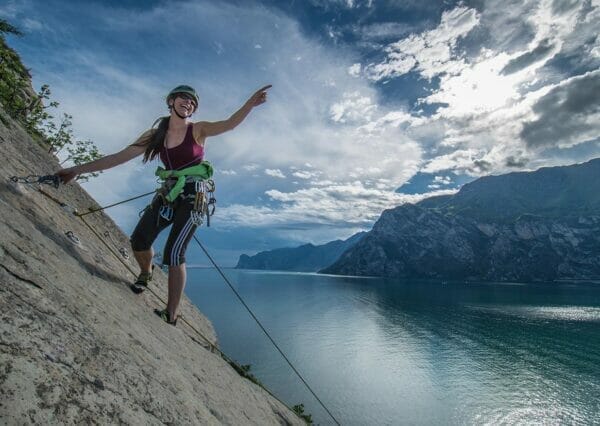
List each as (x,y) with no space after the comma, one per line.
(204,206)
(202,199)
(203,170)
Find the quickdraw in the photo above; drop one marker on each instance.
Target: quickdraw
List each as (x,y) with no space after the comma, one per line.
(53,180)
(122,250)
(204,202)
(74,239)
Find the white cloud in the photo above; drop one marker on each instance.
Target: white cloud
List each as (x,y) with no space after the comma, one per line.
(354,70)
(275,173)
(354,108)
(251,167)
(442,180)
(489,98)
(347,205)
(432,52)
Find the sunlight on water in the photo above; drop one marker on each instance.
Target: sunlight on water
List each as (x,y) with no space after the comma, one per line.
(565,313)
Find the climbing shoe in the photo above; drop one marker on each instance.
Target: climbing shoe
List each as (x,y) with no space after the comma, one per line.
(142,281)
(164,315)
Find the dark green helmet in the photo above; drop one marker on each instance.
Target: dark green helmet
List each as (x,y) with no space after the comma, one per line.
(183,89)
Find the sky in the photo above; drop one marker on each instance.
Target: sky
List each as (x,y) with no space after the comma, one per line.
(374,103)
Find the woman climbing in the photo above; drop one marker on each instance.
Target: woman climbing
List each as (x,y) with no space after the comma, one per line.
(180,145)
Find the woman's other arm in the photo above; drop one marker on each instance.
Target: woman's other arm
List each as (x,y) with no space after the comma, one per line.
(105,162)
(208,128)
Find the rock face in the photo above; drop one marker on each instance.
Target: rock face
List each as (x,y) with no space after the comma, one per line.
(535,226)
(306,258)
(76,345)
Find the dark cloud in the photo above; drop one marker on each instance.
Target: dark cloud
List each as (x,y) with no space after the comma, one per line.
(502,26)
(528,58)
(481,166)
(564,113)
(516,162)
(560,7)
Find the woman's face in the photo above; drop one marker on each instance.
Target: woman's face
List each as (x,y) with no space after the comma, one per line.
(184,104)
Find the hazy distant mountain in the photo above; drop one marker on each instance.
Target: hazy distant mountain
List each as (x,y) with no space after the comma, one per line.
(306,258)
(526,226)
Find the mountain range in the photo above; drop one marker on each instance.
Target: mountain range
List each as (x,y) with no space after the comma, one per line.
(523,226)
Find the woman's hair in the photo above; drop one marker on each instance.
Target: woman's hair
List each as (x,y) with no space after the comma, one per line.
(154,138)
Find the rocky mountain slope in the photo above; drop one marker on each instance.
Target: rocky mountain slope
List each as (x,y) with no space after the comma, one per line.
(528,226)
(76,345)
(305,258)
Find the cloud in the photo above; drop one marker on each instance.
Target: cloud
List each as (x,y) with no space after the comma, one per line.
(275,173)
(491,75)
(495,99)
(382,30)
(430,53)
(353,108)
(305,174)
(354,70)
(567,115)
(541,52)
(312,207)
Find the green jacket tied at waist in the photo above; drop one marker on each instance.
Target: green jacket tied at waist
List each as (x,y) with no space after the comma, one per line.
(203,170)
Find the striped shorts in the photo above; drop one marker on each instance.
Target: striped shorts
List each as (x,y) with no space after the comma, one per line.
(152,223)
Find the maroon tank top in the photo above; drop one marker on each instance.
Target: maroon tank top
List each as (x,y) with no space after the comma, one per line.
(186,154)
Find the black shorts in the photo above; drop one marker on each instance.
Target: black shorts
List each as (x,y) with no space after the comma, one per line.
(152,223)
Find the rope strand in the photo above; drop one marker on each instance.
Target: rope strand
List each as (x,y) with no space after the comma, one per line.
(264,330)
(90,210)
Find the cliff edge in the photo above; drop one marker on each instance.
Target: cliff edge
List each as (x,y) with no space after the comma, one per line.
(76,345)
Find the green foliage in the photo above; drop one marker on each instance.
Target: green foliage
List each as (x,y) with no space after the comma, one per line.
(83,152)
(31,109)
(14,78)
(299,409)
(244,371)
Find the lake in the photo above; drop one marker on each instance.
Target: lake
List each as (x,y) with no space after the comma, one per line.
(385,352)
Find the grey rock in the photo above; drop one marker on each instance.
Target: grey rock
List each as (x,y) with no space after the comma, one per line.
(76,345)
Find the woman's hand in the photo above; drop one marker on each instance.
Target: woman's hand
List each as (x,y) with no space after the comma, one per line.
(260,96)
(67,175)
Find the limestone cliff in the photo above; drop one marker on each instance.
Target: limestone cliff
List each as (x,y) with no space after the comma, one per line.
(527,226)
(76,345)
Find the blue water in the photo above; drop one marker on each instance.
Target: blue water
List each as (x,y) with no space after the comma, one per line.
(382,352)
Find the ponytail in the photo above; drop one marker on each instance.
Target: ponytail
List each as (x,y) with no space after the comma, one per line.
(154,138)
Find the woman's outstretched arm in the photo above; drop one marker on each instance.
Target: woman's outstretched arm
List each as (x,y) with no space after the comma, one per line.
(208,128)
(105,162)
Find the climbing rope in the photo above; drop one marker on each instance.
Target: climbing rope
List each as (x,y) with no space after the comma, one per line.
(91,210)
(55,181)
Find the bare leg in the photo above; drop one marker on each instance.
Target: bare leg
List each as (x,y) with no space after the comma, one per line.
(144,259)
(177,276)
